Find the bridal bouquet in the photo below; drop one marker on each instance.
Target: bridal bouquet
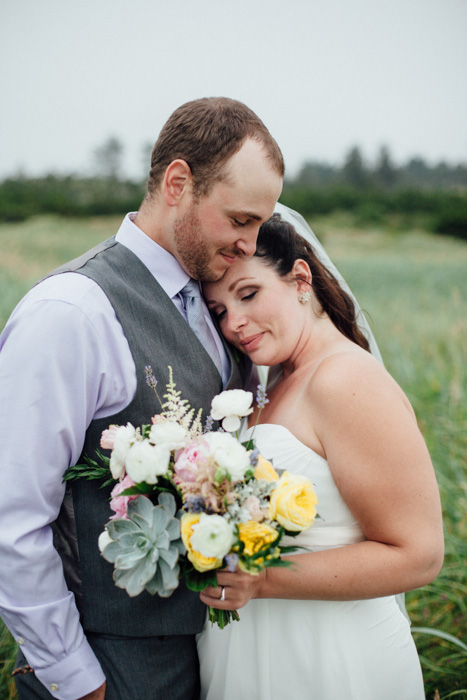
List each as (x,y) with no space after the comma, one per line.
(188,501)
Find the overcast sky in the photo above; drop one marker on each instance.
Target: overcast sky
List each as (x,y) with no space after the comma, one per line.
(322,74)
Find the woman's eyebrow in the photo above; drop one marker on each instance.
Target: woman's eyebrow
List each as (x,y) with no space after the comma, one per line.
(235,282)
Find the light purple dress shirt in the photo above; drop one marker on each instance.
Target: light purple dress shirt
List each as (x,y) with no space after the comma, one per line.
(64,361)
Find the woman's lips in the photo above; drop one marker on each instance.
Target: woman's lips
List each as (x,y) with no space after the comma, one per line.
(251,342)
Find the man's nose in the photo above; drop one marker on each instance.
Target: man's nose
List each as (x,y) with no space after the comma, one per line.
(247,244)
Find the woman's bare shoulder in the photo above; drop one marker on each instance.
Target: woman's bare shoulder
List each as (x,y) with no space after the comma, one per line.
(353,374)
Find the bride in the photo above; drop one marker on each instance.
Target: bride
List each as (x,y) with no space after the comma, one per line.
(329,626)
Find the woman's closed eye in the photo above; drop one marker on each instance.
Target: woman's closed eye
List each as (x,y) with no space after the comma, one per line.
(243,296)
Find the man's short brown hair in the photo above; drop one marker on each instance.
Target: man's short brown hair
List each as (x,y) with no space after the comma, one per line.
(206,133)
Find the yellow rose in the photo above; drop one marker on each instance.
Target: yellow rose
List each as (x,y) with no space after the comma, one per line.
(293,502)
(200,562)
(265,470)
(255,536)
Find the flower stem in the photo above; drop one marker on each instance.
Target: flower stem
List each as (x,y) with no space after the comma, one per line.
(222,617)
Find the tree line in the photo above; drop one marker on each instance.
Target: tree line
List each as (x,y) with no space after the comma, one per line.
(384,174)
(437,192)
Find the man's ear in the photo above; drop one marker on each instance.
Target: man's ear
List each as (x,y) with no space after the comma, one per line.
(301,273)
(177,181)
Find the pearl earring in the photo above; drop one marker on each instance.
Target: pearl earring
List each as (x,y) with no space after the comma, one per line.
(304,297)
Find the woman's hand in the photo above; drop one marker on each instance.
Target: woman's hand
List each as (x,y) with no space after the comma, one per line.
(234,590)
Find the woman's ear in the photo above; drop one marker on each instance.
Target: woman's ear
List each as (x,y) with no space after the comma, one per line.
(302,276)
(177,181)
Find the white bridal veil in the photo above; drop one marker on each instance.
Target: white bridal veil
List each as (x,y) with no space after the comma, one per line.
(302,228)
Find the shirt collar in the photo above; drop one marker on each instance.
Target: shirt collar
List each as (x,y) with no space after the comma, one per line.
(160,263)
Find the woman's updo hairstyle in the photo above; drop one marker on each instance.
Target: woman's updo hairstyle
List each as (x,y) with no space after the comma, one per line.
(280,246)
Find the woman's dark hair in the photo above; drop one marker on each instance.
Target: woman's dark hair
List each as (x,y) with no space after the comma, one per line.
(280,246)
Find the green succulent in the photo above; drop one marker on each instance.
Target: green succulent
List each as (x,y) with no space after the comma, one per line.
(145,548)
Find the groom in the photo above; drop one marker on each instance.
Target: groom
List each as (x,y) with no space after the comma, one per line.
(72,361)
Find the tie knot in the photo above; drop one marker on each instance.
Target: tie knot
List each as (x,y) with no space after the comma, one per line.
(191,290)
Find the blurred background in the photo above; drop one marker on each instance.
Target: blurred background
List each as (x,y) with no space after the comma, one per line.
(368,102)
(324,75)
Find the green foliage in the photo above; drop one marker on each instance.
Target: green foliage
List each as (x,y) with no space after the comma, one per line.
(222,617)
(444,212)
(21,198)
(354,170)
(384,174)
(108,158)
(452,218)
(198,580)
(91,470)
(8,649)
(318,188)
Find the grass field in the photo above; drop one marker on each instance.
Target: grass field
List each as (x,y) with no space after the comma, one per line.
(413,287)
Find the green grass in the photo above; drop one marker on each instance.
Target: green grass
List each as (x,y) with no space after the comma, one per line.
(35,247)
(413,286)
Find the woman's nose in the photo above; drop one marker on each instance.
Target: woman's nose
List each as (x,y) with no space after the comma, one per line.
(235,321)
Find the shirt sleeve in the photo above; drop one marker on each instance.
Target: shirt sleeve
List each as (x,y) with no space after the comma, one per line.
(55,377)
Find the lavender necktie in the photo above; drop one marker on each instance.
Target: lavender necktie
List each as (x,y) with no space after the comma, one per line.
(194,312)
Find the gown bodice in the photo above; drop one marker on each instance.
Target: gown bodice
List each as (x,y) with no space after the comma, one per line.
(335,526)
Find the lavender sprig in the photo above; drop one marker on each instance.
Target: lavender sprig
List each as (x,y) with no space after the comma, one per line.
(151,381)
(254,454)
(195,504)
(208,424)
(261,398)
(231,561)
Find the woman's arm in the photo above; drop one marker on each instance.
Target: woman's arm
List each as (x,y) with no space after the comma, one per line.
(382,468)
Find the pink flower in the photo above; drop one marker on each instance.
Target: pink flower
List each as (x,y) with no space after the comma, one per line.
(119,504)
(186,464)
(155,420)
(253,506)
(108,437)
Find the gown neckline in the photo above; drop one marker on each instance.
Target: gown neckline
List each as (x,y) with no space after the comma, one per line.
(294,437)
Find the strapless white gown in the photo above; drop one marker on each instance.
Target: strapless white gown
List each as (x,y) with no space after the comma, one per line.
(317,649)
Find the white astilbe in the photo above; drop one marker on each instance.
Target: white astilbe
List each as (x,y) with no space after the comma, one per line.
(177,409)
(196,427)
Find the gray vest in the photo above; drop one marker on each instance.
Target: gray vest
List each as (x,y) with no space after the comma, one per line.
(158,336)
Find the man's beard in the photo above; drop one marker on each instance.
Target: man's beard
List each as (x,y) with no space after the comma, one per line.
(192,248)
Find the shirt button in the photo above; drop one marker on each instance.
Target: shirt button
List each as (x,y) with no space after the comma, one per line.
(20,640)
(54,687)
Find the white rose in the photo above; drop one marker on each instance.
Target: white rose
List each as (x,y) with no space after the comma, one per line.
(124,438)
(229,405)
(169,433)
(212,536)
(145,462)
(229,454)
(104,540)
